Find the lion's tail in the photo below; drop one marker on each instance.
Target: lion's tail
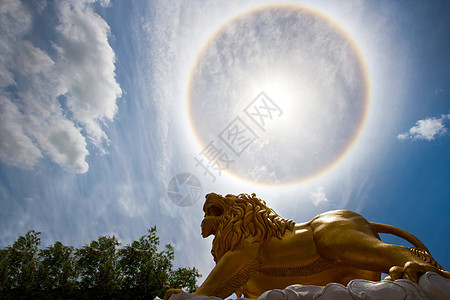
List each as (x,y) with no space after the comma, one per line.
(420,249)
(384,228)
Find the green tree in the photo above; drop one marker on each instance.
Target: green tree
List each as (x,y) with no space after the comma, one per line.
(19,265)
(184,278)
(98,267)
(4,268)
(57,271)
(99,270)
(148,272)
(136,261)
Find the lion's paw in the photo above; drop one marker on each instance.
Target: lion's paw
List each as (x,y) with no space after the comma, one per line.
(411,271)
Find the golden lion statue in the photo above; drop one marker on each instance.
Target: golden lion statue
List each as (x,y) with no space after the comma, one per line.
(256,250)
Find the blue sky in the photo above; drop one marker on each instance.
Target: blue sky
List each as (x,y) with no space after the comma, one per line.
(95,119)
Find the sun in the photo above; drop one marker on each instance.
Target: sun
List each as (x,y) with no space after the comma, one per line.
(280,91)
(292,95)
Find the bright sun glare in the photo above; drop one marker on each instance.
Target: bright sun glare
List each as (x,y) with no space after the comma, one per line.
(294,98)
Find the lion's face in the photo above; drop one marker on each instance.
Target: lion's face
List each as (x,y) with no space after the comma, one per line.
(234,218)
(216,209)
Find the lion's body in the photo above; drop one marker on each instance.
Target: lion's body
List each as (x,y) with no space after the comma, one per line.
(295,259)
(256,250)
(303,255)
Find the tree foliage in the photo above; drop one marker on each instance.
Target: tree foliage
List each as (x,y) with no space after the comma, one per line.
(99,270)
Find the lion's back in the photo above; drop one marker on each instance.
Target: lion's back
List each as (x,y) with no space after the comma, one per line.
(338,220)
(331,229)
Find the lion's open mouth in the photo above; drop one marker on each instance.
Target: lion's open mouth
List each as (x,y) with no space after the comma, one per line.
(209,226)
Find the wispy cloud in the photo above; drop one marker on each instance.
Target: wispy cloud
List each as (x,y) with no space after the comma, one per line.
(427,129)
(318,197)
(55,100)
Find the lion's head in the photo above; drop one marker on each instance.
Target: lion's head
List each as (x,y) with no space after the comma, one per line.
(234,218)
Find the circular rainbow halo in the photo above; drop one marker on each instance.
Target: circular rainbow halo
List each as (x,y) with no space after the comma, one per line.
(278,95)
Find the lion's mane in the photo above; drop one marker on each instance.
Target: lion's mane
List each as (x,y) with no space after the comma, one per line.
(248,216)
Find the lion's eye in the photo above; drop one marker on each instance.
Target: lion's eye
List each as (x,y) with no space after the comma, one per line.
(215,211)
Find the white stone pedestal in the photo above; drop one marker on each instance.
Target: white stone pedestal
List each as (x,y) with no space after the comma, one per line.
(431,286)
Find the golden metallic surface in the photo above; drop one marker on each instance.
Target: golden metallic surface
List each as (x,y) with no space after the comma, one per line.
(256,250)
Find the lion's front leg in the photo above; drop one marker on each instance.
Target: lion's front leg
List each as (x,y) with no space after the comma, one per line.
(232,271)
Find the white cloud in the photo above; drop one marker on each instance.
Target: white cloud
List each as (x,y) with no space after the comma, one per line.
(426,129)
(105,3)
(438,91)
(16,148)
(33,122)
(64,144)
(319,197)
(31,60)
(88,61)
(28,199)
(15,20)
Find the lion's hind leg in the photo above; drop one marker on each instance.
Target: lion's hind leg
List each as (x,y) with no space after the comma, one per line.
(348,238)
(366,252)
